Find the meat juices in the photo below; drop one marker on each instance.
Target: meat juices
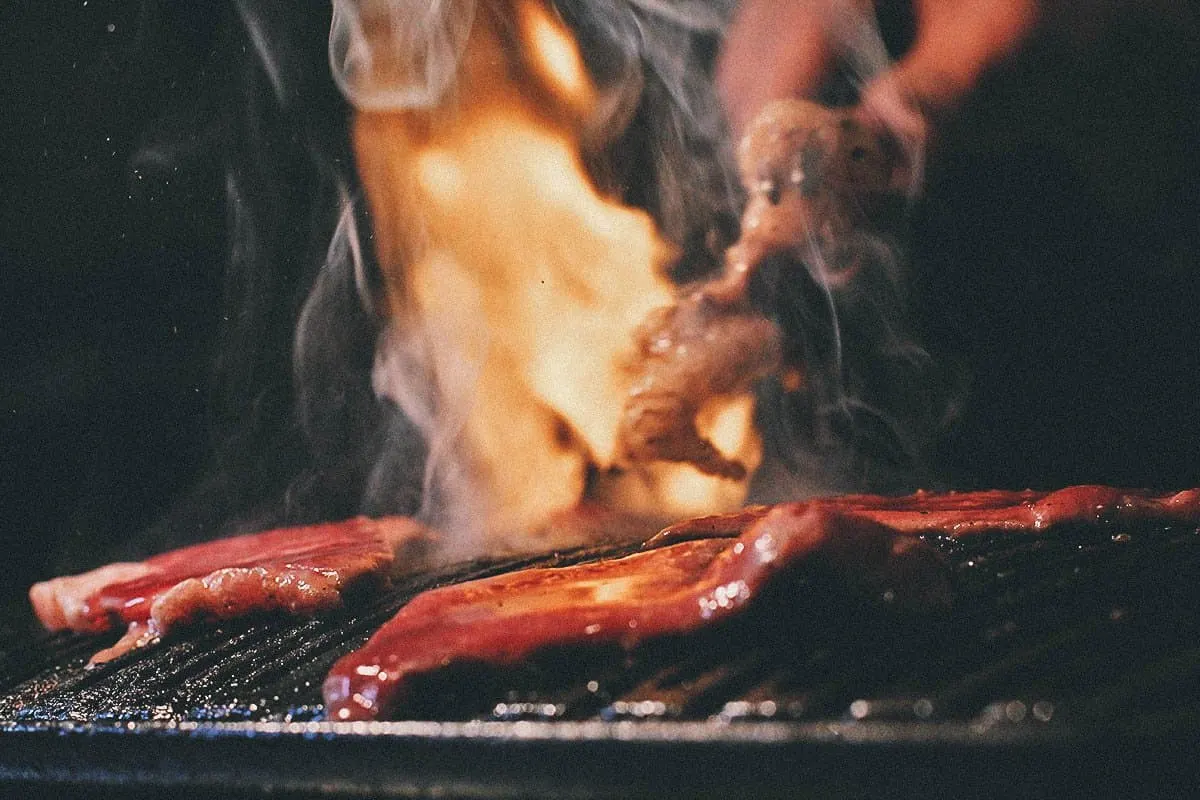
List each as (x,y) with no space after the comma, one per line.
(682,586)
(299,570)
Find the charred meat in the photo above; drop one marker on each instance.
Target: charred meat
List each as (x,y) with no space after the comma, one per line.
(811,175)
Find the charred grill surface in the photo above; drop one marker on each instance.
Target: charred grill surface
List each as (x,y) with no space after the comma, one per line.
(1064,651)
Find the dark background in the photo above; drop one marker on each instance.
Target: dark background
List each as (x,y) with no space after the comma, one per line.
(110,277)
(1055,256)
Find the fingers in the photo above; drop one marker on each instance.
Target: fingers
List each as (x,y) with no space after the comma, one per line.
(889,108)
(957,41)
(785,48)
(774,49)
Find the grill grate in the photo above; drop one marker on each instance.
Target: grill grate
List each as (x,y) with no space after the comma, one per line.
(1083,638)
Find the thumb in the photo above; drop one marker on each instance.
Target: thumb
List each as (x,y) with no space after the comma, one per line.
(774,49)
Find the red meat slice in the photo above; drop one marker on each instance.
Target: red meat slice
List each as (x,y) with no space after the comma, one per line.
(965,513)
(299,570)
(671,590)
(694,579)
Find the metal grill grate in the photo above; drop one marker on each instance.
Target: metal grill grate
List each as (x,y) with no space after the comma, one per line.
(1081,643)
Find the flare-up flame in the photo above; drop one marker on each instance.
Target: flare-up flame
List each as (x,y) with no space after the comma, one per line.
(524,280)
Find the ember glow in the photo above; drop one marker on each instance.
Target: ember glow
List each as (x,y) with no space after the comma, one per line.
(522,283)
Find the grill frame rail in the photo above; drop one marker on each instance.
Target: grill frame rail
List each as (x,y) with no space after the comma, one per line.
(1069,665)
(593,760)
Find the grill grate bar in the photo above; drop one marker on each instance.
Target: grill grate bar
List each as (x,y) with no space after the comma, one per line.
(1094,622)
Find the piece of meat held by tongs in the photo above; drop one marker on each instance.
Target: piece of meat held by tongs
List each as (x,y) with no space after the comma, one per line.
(812,174)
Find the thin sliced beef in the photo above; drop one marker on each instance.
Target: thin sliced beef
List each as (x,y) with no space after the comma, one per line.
(298,570)
(966,513)
(688,355)
(693,579)
(675,589)
(811,175)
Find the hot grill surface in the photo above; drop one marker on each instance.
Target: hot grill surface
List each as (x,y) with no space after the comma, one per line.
(1070,660)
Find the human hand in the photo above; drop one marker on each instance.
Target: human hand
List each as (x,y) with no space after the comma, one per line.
(788,48)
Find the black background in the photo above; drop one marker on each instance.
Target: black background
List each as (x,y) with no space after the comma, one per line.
(110,277)
(1056,255)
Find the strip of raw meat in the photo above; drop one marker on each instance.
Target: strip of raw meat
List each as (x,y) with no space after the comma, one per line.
(691,581)
(299,570)
(966,513)
(672,590)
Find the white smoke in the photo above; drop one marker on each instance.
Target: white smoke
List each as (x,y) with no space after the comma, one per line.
(403,55)
(397,54)
(434,385)
(651,63)
(858,43)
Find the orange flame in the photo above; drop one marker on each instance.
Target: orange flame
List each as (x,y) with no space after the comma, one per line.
(491,232)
